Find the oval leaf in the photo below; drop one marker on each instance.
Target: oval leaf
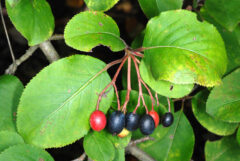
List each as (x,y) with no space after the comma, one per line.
(210,123)
(8,138)
(119,155)
(102,5)
(25,152)
(224,12)
(222,150)
(87,30)
(224,101)
(56,105)
(238,136)
(33,19)
(154,7)
(98,147)
(10,92)
(177,144)
(230,39)
(185,51)
(162,87)
(119,143)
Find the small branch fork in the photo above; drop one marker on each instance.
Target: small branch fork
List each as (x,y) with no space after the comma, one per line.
(129,56)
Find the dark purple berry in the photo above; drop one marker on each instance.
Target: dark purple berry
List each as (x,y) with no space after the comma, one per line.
(131,121)
(167,119)
(116,122)
(147,124)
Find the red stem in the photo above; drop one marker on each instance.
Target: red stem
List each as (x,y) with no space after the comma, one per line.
(116,91)
(140,87)
(128,85)
(169,105)
(137,53)
(122,60)
(150,94)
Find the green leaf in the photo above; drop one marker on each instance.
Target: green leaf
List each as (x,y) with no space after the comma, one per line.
(210,123)
(119,143)
(10,92)
(185,51)
(177,144)
(8,138)
(238,136)
(222,150)
(162,87)
(25,152)
(231,40)
(119,155)
(33,19)
(224,101)
(12,3)
(102,5)
(56,105)
(98,147)
(87,30)
(225,12)
(153,7)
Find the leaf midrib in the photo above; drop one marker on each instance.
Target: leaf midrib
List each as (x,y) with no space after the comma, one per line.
(68,99)
(173,135)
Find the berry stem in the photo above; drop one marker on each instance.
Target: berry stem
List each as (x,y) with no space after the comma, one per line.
(116,91)
(140,86)
(156,96)
(150,94)
(122,61)
(128,85)
(169,105)
(137,54)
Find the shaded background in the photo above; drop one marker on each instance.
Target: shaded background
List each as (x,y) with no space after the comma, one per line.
(130,19)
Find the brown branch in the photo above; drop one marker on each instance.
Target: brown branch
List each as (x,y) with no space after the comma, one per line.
(138,153)
(49,51)
(57,37)
(11,69)
(134,142)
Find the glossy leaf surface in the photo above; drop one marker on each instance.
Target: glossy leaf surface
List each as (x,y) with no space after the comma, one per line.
(8,139)
(185,51)
(154,7)
(102,5)
(25,152)
(33,19)
(57,103)
(10,92)
(224,101)
(89,29)
(98,147)
(177,144)
(212,124)
(225,149)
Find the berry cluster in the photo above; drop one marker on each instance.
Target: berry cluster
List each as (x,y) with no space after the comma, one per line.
(119,123)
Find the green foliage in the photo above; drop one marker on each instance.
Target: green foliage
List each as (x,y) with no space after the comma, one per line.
(212,124)
(87,30)
(102,146)
(56,105)
(33,19)
(231,40)
(174,144)
(162,87)
(222,150)
(102,5)
(98,147)
(186,50)
(224,101)
(25,152)
(8,138)
(153,7)
(225,12)
(10,92)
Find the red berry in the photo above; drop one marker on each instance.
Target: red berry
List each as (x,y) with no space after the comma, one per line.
(98,120)
(155,117)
